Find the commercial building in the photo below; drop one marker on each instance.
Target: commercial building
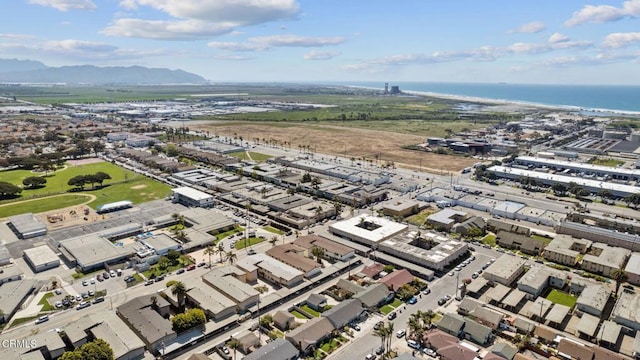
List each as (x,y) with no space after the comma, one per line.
(400,208)
(587,169)
(27,226)
(191,197)
(41,258)
(505,270)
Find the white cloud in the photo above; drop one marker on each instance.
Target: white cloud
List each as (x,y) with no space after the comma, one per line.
(529,28)
(167,30)
(232,57)
(65,5)
(320,55)
(79,50)
(604,13)
(17,36)
(261,43)
(193,19)
(484,53)
(616,40)
(558,38)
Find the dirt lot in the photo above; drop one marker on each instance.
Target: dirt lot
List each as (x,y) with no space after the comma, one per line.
(346,142)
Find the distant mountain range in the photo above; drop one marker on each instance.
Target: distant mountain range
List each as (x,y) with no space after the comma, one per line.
(30,71)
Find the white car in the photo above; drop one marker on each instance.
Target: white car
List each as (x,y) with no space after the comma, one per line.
(401,333)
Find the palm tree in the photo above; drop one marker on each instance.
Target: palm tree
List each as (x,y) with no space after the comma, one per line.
(620,276)
(179,290)
(154,300)
(318,253)
(389,335)
(231,257)
(221,250)
(273,240)
(235,345)
(382,333)
(210,250)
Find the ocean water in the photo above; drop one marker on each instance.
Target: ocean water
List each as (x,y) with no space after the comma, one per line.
(588,97)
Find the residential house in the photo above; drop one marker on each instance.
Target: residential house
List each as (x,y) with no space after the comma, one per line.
(477,333)
(317,302)
(306,336)
(604,259)
(283,320)
(504,350)
(524,243)
(451,324)
(279,349)
(397,278)
(374,296)
(344,313)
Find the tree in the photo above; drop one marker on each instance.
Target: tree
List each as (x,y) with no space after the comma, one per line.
(221,250)
(210,250)
(559,189)
(100,177)
(77,181)
(179,289)
(389,337)
(188,320)
(97,349)
(173,256)
(266,320)
(318,253)
(620,276)
(234,344)
(231,257)
(273,240)
(337,207)
(8,189)
(382,333)
(163,263)
(33,182)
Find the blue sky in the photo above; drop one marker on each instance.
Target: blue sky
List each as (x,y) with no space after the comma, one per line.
(544,41)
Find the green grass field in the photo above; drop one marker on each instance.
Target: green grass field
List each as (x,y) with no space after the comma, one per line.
(544,239)
(561,297)
(124,185)
(298,315)
(273,230)
(240,244)
(489,239)
(419,218)
(46,306)
(310,310)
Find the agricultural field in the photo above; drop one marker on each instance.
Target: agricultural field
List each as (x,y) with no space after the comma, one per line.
(124,185)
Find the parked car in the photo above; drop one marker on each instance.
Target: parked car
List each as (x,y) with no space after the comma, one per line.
(91,292)
(413,344)
(180,271)
(401,333)
(83,305)
(202,264)
(42,319)
(85,283)
(442,301)
(92,281)
(392,316)
(356,327)
(159,278)
(58,292)
(429,352)
(379,350)
(251,252)
(105,275)
(378,325)
(191,267)
(99,277)
(413,300)
(99,299)
(149,282)
(370,357)
(58,304)
(426,291)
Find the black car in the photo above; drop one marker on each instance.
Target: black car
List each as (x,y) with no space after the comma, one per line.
(392,316)
(202,264)
(378,325)
(442,301)
(160,278)
(180,271)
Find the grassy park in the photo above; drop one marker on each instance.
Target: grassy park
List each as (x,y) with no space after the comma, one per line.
(124,185)
(250,155)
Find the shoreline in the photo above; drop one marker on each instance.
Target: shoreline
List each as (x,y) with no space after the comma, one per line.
(515,103)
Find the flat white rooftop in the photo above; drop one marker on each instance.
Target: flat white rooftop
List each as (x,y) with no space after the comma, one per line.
(369,227)
(191,193)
